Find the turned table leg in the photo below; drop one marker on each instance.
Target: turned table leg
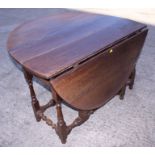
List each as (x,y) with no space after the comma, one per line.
(35,103)
(61,127)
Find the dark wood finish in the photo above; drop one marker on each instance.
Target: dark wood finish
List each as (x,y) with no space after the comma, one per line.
(130,83)
(35,103)
(132,79)
(85,59)
(97,80)
(122,92)
(51,45)
(61,130)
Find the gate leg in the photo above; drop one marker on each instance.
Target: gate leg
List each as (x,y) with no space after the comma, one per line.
(34,101)
(61,127)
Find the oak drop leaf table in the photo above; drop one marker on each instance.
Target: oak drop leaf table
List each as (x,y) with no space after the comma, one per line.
(85,58)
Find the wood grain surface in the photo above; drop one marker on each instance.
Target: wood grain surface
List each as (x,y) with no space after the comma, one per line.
(50,45)
(97,80)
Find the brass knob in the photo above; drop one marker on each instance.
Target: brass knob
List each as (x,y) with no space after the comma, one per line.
(111,50)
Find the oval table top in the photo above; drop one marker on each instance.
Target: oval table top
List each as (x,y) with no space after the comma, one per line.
(50,45)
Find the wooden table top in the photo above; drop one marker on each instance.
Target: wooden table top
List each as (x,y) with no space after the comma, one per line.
(53,44)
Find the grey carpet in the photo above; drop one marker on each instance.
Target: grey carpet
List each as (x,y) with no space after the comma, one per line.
(130,122)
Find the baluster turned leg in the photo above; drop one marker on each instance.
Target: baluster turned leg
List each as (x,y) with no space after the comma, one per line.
(35,103)
(132,79)
(61,128)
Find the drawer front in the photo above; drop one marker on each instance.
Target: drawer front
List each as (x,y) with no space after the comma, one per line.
(97,80)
